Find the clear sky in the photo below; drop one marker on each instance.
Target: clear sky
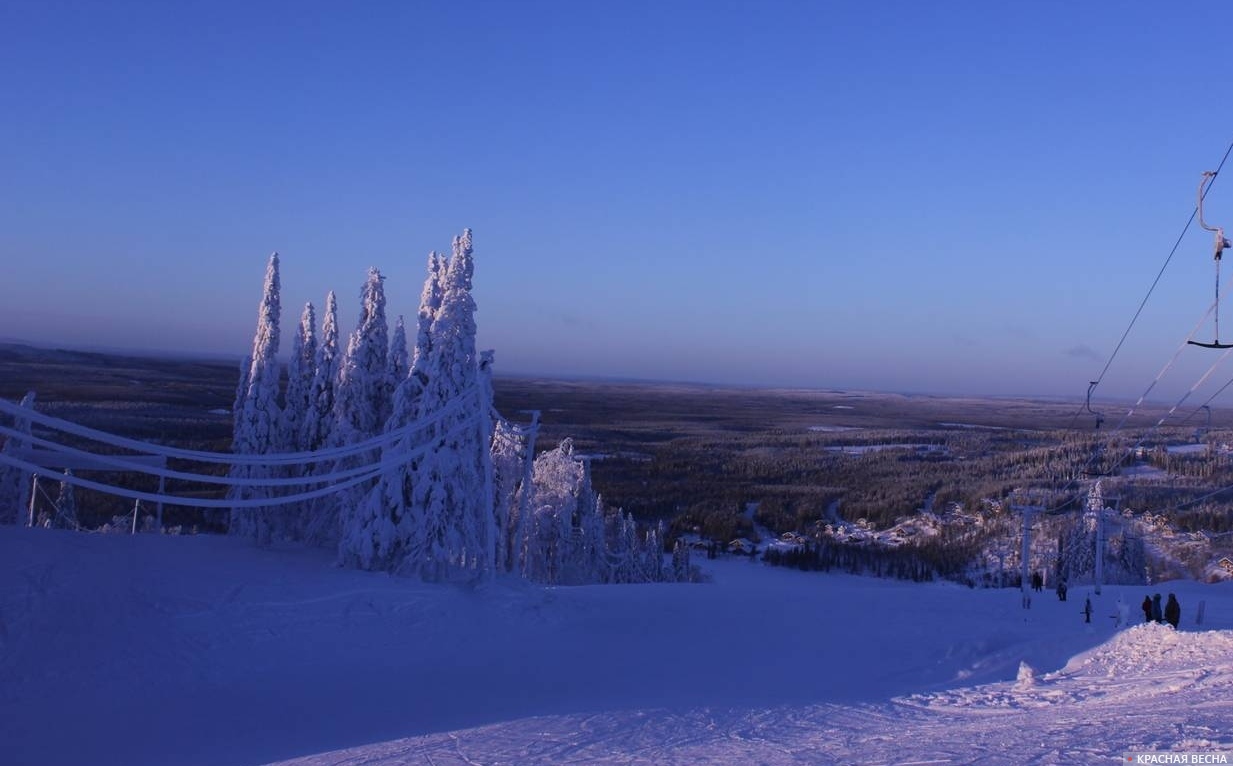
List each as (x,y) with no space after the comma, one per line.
(914,196)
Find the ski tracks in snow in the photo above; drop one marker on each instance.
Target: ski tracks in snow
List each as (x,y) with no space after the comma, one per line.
(1150,688)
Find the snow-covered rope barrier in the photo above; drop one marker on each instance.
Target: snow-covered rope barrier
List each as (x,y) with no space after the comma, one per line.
(389,459)
(229,458)
(128,464)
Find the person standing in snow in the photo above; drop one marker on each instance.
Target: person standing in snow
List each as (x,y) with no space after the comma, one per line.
(1061,589)
(1157,615)
(1173,611)
(1147,608)
(1087,609)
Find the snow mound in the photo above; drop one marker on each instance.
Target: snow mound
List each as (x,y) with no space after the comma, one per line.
(1151,649)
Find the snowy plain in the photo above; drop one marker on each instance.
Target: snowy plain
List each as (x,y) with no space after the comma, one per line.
(204,650)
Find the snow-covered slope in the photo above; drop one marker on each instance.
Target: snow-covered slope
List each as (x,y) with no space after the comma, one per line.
(202,650)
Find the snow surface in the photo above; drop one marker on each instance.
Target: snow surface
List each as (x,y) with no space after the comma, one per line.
(204,650)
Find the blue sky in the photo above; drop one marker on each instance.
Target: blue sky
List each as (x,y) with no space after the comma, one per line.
(958,197)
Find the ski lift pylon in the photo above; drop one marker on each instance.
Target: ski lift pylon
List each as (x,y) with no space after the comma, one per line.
(1219,246)
(1100,417)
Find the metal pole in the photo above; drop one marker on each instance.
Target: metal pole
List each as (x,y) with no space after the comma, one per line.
(1100,548)
(34,493)
(1023,556)
(1025,552)
(162,486)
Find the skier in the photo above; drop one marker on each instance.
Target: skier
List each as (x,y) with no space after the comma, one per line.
(1156,613)
(1037,582)
(1173,611)
(1061,589)
(1147,608)
(1087,609)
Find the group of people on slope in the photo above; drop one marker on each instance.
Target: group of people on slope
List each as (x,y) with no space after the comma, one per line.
(1172,612)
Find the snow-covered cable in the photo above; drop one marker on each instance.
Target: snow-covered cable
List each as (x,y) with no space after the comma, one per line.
(228,458)
(387,461)
(126,463)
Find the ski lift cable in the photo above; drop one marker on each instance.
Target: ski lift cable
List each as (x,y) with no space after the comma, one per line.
(1193,215)
(1208,402)
(1209,178)
(1122,423)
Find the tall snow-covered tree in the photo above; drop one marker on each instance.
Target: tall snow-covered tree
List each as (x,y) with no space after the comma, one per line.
(389,530)
(319,419)
(558,478)
(15,484)
(259,428)
(508,451)
(362,397)
(399,361)
(450,486)
(362,404)
(430,304)
(318,519)
(301,370)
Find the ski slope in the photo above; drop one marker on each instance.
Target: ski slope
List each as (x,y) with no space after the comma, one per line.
(203,650)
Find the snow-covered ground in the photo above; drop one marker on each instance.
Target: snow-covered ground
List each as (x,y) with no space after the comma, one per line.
(202,650)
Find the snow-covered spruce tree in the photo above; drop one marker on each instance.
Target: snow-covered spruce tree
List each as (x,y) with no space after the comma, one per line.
(388,531)
(451,484)
(65,515)
(558,478)
(399,361)
(490,532)
(15,484)
(432,515)
(653,555)
(258,430)
(430,304)
(362,398)
(573,538)
(301,369)
(319,418)
(588,552)
(508,451)
(317,519)
(624,548)
(362,402)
